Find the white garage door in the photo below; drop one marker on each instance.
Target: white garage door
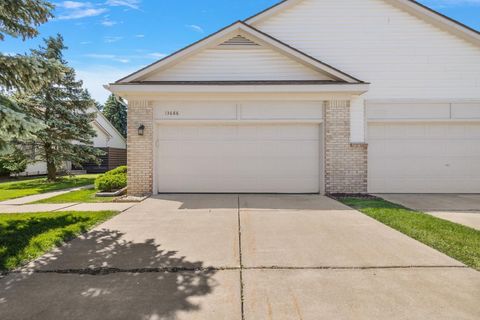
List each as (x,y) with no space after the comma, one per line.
(424,158)
(276,158)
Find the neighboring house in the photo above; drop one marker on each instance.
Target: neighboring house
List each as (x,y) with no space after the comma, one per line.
(108,139)
(312,96)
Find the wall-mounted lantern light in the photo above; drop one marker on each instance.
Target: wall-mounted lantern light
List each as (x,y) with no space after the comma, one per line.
(141,130)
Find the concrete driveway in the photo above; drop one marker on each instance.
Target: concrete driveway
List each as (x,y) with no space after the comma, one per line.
(459,208)
(242,257)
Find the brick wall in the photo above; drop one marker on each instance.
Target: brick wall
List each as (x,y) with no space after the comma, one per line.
(140,148)
(345,163)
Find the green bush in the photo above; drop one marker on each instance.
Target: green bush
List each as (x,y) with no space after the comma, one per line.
(112,180)
(118,170)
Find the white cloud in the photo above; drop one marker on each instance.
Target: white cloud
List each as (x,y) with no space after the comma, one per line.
(157,55)
(132,4)
(82,13)
(110,39)
(73,4)
(76,10)
(194,27)
(108,23)
(112,57)
(139,36)
(85,42)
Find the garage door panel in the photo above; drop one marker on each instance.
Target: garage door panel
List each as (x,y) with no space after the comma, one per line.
(239,158)
(252,184)
(429,157)
(429,185)
(457,168)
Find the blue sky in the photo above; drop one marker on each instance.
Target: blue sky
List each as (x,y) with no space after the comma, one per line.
(108,39)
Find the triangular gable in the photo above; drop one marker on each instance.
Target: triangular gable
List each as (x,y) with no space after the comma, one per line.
(411,6)
(238,52)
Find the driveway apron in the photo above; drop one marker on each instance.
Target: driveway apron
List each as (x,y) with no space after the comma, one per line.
(241,257)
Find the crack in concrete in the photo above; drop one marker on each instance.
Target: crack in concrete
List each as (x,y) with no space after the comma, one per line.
(106,271)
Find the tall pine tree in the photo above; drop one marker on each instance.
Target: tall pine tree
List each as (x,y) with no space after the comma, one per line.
(115,110)
(19,18)
(62,106)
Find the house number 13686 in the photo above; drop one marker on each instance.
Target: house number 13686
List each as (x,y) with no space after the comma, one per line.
(172,113)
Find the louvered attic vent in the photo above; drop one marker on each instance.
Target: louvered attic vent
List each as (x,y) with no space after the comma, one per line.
(239,41)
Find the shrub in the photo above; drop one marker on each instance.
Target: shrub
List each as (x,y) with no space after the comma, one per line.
(112,180)
(118,170)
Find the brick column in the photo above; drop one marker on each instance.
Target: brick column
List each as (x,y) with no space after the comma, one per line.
(140,148)
(345,163)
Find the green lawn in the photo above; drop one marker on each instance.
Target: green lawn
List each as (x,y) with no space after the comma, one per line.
(87,195)
(457,241)
(27,187)
(26,236)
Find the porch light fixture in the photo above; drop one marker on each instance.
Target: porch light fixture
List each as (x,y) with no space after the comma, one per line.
(141,130)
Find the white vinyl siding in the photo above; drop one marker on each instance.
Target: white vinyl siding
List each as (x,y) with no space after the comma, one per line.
(357,120)
(240,110)
(424,157)
(429,111)
(238,64)
(401,55)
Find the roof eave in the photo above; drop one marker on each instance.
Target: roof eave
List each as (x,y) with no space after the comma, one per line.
(129,89)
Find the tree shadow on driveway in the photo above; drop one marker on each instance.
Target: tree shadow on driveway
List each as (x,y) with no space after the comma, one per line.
(101,276)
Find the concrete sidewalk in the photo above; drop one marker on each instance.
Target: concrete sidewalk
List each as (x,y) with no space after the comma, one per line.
(41,196)
(459,208)
(242,257)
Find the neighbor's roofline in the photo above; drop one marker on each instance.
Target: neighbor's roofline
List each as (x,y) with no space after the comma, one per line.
(424,11)
(256,33)
(100,113)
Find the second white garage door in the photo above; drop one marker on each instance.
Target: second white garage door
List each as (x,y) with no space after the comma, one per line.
(267,158)
(424,157)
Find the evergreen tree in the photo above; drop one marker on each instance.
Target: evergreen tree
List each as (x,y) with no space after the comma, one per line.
(13,162)
(62,105)
(115,110)
(20,18)
(98,105)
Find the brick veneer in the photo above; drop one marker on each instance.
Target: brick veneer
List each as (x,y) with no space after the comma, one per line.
(345,163)
(140,148)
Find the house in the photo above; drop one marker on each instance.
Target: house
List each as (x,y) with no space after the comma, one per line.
(312,96)
(108,139)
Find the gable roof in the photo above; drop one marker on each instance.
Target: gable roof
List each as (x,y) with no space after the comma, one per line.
(113,131)
(411,6)
(219,36)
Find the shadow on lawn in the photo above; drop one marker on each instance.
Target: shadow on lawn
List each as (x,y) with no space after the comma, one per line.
(102,276)
(18,234)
